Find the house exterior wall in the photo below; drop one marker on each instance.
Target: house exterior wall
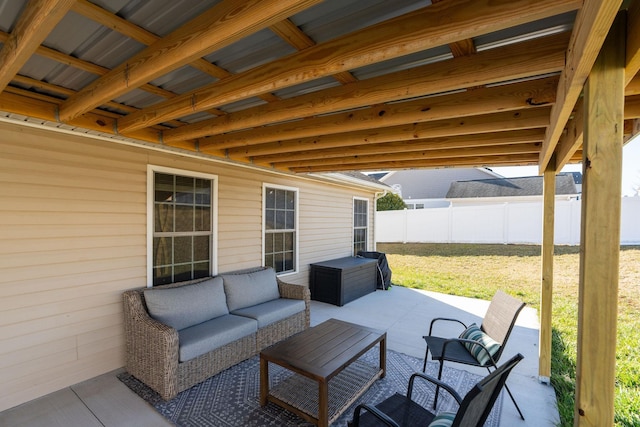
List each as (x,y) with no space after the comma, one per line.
(432,183)
(73,224)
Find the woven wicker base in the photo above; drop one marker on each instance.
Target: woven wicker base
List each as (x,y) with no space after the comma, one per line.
(345,388)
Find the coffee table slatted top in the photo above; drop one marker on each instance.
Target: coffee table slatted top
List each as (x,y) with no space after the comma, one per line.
(324,349)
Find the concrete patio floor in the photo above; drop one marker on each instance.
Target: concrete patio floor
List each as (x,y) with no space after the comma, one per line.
(405,315)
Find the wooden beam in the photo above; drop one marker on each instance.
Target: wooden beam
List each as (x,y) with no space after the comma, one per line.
(289,32)
(411,150)
(504,98)
(116,23)
(453,142)
(524,60)
(448,21)
(633,88)
(632,107)
(589,31)
(632,43)
(20,101)
(546,285)
(225,23)
(571,140)
(37,20)
(493,125)
(600,234)
(460,47)
(509,160)
(87,66)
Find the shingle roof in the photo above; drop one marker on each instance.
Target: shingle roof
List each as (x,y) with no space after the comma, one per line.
(509,187)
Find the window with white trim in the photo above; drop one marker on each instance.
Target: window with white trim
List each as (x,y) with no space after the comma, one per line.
(280,228)
(360,224)
(183,225)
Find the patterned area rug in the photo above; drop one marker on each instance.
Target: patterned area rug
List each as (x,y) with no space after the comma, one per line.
(231,398)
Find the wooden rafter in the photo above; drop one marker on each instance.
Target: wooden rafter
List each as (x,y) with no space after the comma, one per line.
(454,153)
(35,23)
(288,31)
(503,98)
(531,58)
(364,141)
(109,20)
(504,160)
(354,154)
(223,24)
(449,22)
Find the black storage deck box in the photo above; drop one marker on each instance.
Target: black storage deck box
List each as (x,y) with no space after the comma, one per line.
(342,280)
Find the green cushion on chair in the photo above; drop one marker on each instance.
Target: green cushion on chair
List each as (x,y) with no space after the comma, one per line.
(473,332)
(443,419)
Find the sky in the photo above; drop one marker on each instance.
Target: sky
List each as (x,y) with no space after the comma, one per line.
(630,168)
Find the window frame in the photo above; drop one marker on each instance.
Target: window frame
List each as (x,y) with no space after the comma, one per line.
(353,224)
(213,252)
(296,230)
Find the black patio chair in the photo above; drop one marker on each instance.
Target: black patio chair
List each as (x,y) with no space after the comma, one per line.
(477,346)
(399,410)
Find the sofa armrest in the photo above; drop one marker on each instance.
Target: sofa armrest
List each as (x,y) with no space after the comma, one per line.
(151,347)
(301,292)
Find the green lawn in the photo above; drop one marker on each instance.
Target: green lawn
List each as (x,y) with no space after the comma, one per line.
(479,270)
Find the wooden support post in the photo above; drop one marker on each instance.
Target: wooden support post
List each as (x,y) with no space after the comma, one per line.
(600,233)
(546,291)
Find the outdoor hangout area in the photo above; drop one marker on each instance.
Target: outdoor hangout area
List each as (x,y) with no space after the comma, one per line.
(233,396)
(187,186)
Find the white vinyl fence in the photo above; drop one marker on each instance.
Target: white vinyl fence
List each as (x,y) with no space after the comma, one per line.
(515,223)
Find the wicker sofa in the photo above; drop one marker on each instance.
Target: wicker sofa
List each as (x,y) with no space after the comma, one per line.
(181,334)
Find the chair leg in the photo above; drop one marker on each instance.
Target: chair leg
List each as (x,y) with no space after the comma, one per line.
(514,401)
(435,398)
(510,395)
(426,354)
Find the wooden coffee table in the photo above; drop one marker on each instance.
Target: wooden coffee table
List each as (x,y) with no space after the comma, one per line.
(320,354)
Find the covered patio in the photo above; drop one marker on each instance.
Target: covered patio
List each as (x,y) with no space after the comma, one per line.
(402,312)
(295,90)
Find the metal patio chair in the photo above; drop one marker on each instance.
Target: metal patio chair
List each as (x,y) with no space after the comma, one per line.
(399,410)
(477,346)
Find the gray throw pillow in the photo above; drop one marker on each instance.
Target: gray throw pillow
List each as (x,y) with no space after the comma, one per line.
(187,305)
(247,289)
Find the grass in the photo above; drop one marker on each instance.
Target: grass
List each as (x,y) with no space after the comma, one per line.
(479,270)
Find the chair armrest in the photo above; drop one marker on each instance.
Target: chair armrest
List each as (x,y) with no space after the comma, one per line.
(375,412)
(435,381)
(301,292)
(462,340)
(447,319)
(151,347)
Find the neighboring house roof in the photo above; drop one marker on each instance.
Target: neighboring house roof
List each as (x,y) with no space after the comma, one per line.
(509,187)
(432,183)
(355,178)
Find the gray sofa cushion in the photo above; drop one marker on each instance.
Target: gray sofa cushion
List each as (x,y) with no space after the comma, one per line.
(248,289)
(187,305)
(208,336)
(272,311)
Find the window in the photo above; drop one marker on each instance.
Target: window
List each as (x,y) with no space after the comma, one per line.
(280,223)
(182,229)
(360,221)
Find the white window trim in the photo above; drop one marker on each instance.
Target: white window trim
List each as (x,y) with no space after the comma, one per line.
(368,245)
(151,170)
(297,215)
